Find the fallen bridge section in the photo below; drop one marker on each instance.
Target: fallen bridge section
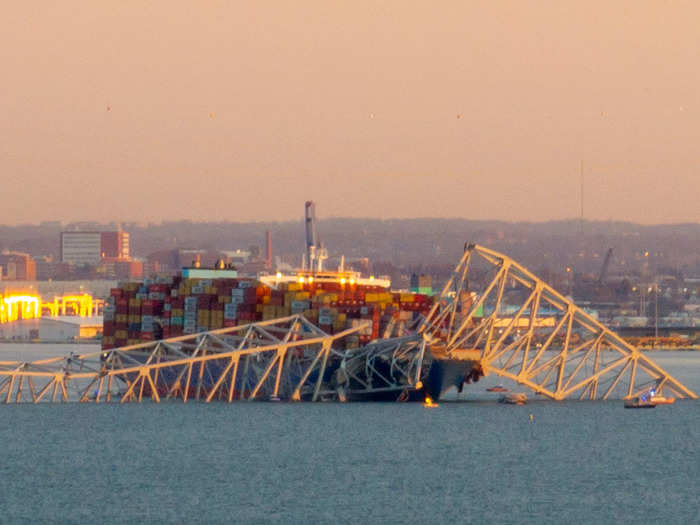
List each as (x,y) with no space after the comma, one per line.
(524,330)
(282,359)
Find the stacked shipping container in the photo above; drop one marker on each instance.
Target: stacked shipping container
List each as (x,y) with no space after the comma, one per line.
(139,312)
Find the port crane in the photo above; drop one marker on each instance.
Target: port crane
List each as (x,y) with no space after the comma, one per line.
(606,264)
(15,306)
(316,253)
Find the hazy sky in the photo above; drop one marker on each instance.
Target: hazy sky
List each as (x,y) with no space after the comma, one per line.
(135,110)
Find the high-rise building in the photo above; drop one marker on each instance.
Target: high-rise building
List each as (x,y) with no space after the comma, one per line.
(79,247)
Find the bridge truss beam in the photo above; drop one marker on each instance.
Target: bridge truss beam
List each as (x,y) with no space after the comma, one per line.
(528,332)
(287,358)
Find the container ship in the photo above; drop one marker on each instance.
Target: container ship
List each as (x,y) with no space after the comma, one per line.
(204,299)
(200,300)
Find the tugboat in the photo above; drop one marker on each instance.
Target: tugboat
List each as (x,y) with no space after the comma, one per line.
(497,388)
(649,399)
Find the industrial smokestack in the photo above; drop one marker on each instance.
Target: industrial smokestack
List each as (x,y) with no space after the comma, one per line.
(268,247)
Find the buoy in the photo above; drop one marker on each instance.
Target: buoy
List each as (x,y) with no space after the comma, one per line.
(532,418)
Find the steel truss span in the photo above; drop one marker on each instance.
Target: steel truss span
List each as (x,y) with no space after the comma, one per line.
(493,316)
(526,331)
(286,359)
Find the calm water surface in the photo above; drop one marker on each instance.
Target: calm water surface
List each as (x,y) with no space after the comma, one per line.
(469,461)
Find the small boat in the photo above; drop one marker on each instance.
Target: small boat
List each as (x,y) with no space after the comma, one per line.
(516,398)
(661,400)
(658,399)
(639,402)
(497,388)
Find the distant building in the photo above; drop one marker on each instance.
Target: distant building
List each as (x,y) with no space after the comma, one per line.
(172,261)
(164,261)
(54,329)
(115,245)
(112,268)
(81,247)
(45,268)
(17,266)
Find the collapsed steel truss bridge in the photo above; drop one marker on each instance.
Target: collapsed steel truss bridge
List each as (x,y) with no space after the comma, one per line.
(523,329)
(287,358)
(511,324)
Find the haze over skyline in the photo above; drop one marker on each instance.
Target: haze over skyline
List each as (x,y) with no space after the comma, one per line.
(217,111)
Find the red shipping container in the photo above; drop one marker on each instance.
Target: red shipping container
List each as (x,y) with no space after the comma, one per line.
(108,328)
(203,302)
(122,306)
